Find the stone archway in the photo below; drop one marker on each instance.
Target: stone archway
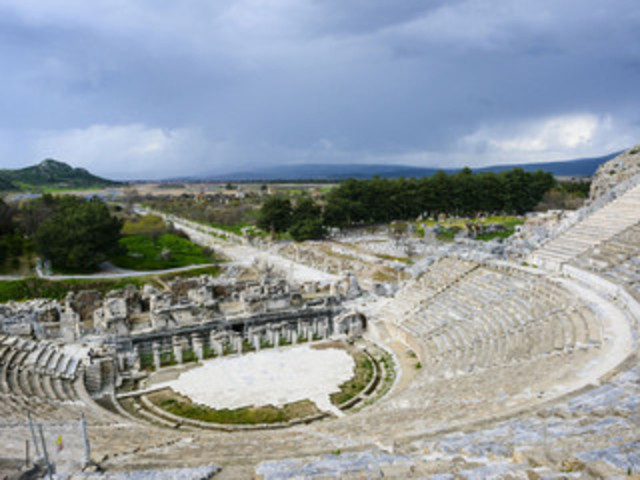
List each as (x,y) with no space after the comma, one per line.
(351,323)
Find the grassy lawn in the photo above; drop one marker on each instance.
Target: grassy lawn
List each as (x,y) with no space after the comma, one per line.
(361,378)
(184,407)
(509,223)
(149,252)
(450,226)
(148,224)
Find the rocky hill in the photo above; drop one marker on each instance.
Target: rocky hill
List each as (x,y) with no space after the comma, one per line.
(615,171)
(50,173)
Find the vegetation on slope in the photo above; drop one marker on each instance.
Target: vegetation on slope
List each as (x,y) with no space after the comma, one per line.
(50,173)
(565,195)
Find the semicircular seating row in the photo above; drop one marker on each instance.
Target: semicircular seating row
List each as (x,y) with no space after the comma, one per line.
(469,317)
(45,379)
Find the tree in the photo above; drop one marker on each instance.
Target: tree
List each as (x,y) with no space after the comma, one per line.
(33,213)
(6,227)
(78,235)
(308,229)
(275,214)
(305,209)
(306,221)
(6,218)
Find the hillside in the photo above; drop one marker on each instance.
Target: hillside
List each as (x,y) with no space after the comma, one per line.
(618,170)
(583,167)
(50,173)
(6,185)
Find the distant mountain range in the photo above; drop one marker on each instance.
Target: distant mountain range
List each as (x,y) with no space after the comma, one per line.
(51,174)
(583,167)
(54,174)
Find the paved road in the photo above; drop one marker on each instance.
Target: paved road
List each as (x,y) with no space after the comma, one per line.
(246,254)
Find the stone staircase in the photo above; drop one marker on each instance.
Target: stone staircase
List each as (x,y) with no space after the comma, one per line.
(616,259)
(601,225)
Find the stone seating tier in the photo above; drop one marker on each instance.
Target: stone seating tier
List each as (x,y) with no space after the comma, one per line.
(617,259)
(608,221)
(42,378)
(492,318)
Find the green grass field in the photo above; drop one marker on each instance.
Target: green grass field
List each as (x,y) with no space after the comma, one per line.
(148,252)
(452,225)
(183,407)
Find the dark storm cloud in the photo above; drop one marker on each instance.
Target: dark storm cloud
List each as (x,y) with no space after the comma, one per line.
(154,88)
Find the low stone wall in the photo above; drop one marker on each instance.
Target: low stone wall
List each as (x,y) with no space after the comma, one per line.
(369,388)
(606,288)
(403,336)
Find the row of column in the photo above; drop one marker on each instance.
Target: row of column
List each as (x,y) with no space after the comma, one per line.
(274,335)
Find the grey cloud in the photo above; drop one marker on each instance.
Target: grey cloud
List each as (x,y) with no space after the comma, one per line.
(310,80)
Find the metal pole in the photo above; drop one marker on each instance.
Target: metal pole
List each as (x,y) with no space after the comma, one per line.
(26,453)
(33,437)
(86,457)
(44,450)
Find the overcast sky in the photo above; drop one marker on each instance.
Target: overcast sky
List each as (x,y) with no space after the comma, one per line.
(158,88)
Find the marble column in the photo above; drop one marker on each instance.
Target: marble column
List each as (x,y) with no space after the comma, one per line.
(176,342)
(155,347)
(198,346)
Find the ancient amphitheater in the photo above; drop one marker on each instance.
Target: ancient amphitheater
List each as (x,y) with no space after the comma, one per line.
(505,367)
